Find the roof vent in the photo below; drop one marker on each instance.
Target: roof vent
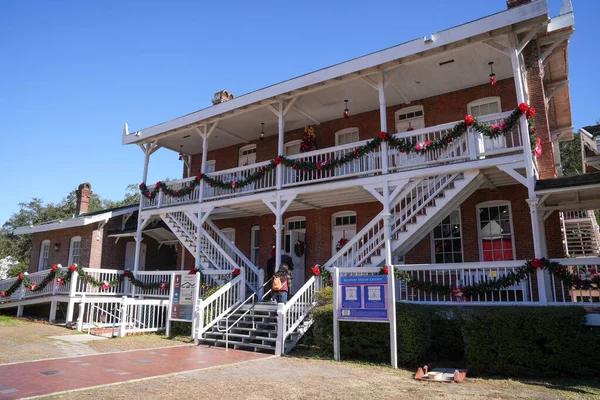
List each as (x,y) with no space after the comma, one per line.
(222,97)
(446,62)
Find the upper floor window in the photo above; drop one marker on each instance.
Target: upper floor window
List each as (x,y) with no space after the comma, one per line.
(496,239)
(483,107)
(74,250)
(44,255)
(409,118)
(247,155)
(254,244)
(447,240)
(345,136)
(210,166)
(229,233)
(292,147)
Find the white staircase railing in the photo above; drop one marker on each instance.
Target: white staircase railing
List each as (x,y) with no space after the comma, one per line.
(581,235)
(215,307)
(412,200)
(293,313)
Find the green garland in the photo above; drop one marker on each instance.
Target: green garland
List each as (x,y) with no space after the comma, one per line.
(62,277)
(571,280)
(401,144)
(561,272)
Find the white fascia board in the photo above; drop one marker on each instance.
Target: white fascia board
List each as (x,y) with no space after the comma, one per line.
(80,221)
(499,20)
(561,22)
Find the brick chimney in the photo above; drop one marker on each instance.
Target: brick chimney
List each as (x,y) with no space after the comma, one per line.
(84,194)
(516,3)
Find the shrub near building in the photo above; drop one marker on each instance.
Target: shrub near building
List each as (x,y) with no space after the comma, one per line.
(513,341)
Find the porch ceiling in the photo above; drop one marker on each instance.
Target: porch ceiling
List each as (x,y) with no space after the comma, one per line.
(570,193)
(413,81)
(304,201)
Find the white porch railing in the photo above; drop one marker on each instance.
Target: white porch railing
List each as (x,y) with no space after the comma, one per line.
(153,277)
(82,286)
(461,274)
(291,314)
(215,307)
(586,268)
(125,315)
(268,180)
(7,283)
(468,147)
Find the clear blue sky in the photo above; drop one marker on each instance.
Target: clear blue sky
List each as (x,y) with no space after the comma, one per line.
(71,72)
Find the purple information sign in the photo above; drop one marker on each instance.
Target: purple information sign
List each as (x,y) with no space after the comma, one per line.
(363,298)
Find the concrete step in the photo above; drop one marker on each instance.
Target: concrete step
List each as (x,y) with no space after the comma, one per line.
(240,345)
(253,336)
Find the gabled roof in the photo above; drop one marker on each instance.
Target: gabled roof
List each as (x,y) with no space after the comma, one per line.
(80,220)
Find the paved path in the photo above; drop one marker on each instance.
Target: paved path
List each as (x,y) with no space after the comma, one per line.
(50,376)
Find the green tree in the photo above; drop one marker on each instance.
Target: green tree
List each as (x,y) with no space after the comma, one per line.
(570,156)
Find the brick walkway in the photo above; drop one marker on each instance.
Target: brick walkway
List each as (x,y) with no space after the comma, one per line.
(50,376)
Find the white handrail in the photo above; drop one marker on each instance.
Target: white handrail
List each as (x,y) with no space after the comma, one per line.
(291,314)
(218,305)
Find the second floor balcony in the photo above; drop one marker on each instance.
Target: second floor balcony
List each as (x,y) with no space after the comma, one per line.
(298,170)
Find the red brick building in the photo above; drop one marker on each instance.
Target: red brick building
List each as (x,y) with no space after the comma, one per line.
(103,239)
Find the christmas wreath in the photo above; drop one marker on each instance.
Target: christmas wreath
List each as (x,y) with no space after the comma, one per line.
(341,243)
(299,248)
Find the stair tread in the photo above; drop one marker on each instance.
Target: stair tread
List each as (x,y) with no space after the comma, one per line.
(221,335)
(234,342)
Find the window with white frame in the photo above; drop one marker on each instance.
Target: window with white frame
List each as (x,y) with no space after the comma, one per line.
(254,243)
(293,225)
(345,136)
(230,233)
(210,166)
(74,250)
(409,118)
(496,237)
(44,255)
(292,147)
(447,240)
(482,107)
(247,155)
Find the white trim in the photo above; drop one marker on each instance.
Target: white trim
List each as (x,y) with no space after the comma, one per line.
(254,245)
(40,266)
(293,219)
(485,100)
(290,144)
(73,222)
(345,131)
(211,162)
(495,203)
(74,239)
(440,39)
(462,244)
(225,231)
(244,148)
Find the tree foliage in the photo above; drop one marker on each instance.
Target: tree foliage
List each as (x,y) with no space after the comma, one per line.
(36,212)
(570,156)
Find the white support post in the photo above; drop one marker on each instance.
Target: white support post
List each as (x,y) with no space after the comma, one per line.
(537,224)
(81,312)
(124,317)
(387,237)
(171,289)
(280,142)
(72,293)
(279,345)
(20,310)
(383,121)
(148,149)
(195,301)
(519,87)
(203,165)
(199,233)
(336,306)
(278,231)
(52,316)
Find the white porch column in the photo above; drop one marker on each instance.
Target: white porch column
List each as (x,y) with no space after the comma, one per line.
(278,230)
(537,225)
(387,237)
(383,121)
(280,144)
(148,149)
(519,88)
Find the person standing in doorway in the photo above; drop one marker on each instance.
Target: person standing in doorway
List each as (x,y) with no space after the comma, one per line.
(282,284)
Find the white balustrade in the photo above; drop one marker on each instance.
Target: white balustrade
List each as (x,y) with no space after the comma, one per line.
(218,305)
(37,278)
(5,284)
(366,164)
(154,277)
(101,275)
(586,269)
(267,180)
(463,274)
(504,143)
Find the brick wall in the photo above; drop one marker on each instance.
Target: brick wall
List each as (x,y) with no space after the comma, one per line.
(62,236)
(516,195)
(440,109)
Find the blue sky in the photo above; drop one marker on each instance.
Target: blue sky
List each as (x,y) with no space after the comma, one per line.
(72,72)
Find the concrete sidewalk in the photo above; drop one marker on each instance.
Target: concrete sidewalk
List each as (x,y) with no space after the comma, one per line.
(44,377)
